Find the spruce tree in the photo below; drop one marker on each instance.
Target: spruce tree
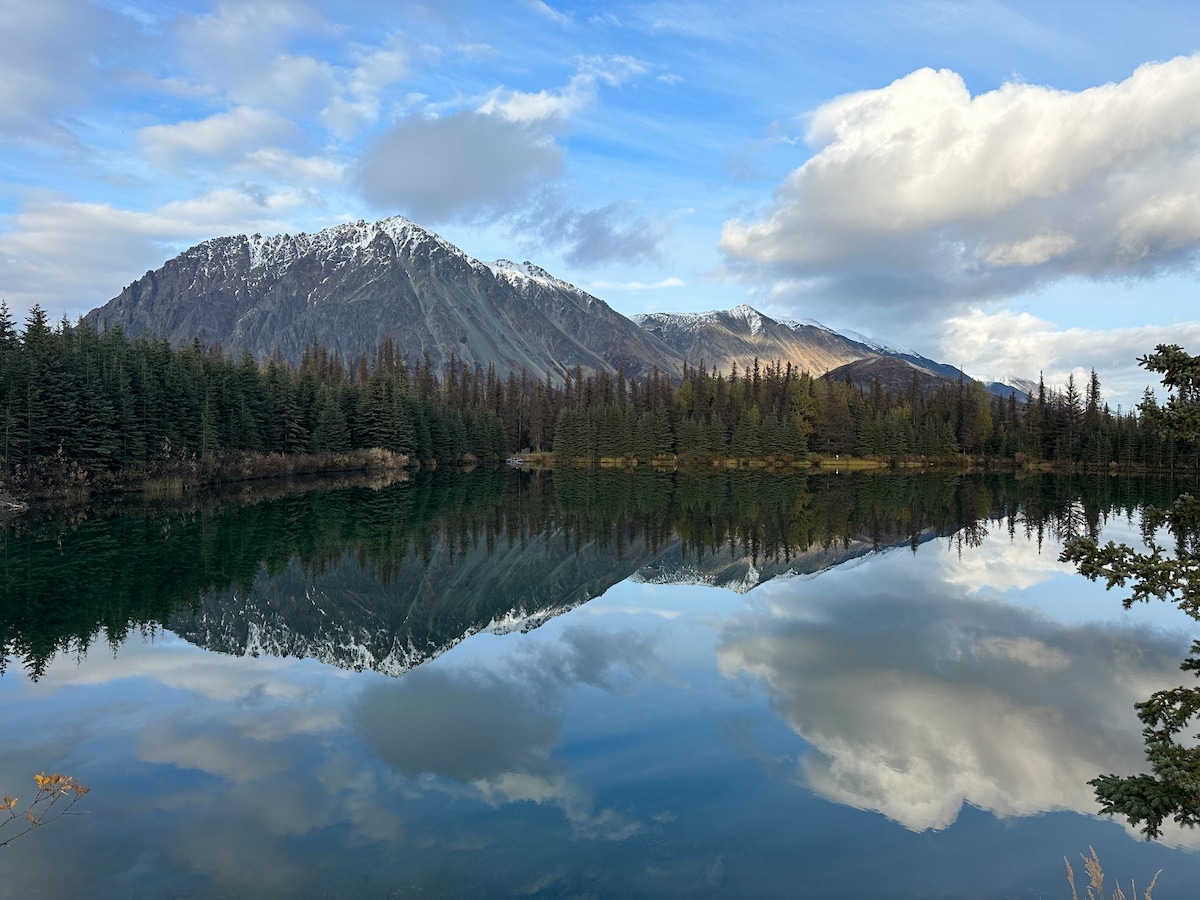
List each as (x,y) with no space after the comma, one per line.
(1171,790)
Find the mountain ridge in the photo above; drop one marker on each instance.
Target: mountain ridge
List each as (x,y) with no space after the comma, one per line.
(353,286)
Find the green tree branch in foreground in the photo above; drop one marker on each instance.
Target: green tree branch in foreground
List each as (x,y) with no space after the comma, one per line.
(1171,790)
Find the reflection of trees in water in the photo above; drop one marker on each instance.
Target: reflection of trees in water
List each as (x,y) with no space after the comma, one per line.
(63,580)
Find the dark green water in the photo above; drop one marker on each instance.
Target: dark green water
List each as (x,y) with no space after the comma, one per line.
(511,684)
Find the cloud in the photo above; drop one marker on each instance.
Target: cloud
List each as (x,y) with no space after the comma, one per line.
(1009,343)
(544,9)
(468,164)
(252,141)
(921,195)
(638,285)
(559,105)
(916,699)
(250,56)
(289,83)
(71,256)
(48,59)
(235,44)
(225,135)
(494,161)
(287,168)
(359,99)
(613,233)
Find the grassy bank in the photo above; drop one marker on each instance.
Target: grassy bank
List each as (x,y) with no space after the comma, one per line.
(172,477)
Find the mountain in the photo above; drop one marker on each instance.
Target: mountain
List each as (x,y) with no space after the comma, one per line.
(893,373)
(352,286)
(1023,388)
(735,337)
(740,335)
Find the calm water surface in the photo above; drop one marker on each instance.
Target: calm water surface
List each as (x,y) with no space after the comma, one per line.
(498,685)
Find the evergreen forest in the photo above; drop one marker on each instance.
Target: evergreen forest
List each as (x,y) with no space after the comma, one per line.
(74,400)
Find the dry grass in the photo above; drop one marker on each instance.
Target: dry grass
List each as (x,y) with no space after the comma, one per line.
(848,463)
(1095,885)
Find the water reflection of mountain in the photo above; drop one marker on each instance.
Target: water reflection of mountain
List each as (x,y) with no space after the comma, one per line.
(349,616)
(556,552)
(386,578)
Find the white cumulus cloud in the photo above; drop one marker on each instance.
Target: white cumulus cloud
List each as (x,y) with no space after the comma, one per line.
(1005,343)
(224,135)
(921,195)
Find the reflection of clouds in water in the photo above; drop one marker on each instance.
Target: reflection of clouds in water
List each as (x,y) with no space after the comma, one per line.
(236,763)
(574,802)
(173,662)
(217,750)
(629,611)
(1002,565)
(456,725)
(498,730)
(244,837)
(916,700)
(602,659)
(221,743)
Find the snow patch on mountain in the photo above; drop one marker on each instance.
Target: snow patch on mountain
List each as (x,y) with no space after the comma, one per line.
(345,242)
(880,346)
(690,321)
(514,272)
(1002,387)
(796,324)
(750,316)
(690,575)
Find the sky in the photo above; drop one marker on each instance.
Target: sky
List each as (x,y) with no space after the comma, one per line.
(1013,188)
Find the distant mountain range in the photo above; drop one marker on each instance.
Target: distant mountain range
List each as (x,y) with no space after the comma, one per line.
(351,287)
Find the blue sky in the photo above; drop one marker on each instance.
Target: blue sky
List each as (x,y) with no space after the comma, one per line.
(1011,187)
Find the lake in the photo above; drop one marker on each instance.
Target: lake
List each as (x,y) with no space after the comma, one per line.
(515,684)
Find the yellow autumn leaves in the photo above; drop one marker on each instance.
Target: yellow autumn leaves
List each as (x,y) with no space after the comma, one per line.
(61,783)
(45,806)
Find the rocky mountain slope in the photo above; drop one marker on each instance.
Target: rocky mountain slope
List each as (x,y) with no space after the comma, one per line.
(895,375)
(738,336)
(352,286)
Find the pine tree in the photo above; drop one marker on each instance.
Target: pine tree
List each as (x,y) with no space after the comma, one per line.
(1171,790)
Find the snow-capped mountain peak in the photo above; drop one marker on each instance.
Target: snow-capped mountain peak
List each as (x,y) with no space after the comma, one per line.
(345,241)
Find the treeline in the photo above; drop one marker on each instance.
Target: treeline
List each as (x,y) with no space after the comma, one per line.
(75,401)
(779,413)
(107,572)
